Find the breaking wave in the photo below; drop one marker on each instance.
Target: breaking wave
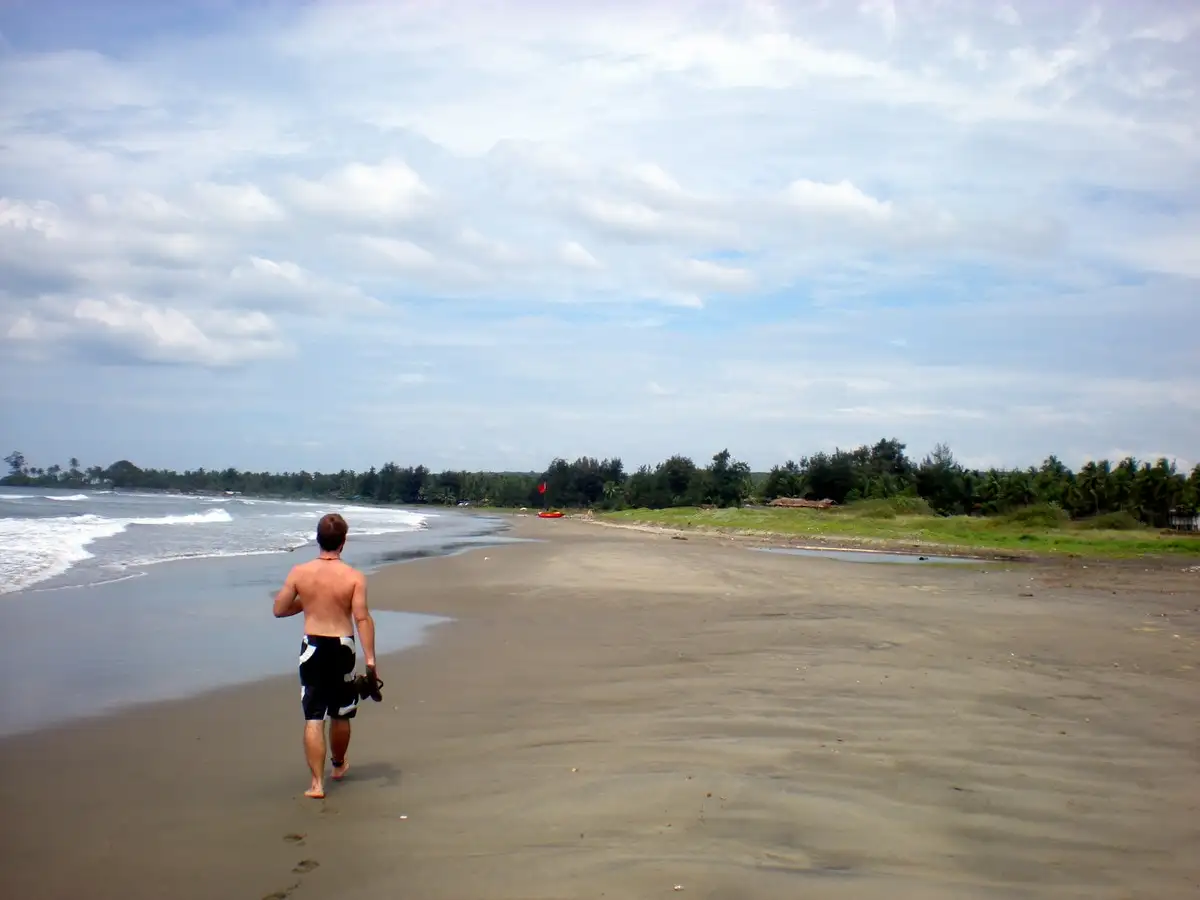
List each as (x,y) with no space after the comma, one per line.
(49,547)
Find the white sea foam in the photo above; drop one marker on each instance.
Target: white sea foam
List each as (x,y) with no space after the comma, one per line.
(373,520)
(51,546)
(211,517)
(385,529)
(71,497)
(132,535)
(17,497)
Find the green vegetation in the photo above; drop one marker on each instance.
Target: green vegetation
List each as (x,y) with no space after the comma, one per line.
(881,494)
(1034,531)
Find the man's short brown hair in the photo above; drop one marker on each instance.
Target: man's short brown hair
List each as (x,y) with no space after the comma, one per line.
(331,532)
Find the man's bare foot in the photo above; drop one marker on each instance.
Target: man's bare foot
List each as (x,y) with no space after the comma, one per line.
(339,772)
(316,792)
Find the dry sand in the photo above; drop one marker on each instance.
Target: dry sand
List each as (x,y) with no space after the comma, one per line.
(614,714)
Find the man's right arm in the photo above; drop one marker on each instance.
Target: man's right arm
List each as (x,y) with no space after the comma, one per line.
(287,601)
(363,620)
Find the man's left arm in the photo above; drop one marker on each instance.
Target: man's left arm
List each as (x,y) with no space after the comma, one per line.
(287,601)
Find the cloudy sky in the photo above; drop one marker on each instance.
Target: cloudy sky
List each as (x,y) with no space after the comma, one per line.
(320,234)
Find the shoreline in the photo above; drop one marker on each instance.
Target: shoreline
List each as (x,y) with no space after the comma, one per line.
(616,713)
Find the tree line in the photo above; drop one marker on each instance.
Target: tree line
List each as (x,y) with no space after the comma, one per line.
(1145,491)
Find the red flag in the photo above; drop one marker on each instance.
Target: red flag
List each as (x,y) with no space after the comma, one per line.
(542,488)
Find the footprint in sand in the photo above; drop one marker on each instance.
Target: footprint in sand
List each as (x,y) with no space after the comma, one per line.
(294,838)
(305,866)
(282,895)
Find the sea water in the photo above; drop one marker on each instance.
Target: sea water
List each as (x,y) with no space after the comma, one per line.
(869,556)
(111,598)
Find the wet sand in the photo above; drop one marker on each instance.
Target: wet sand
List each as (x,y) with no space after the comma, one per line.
(617,713)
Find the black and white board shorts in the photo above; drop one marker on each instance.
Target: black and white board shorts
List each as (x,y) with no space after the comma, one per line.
(327,677)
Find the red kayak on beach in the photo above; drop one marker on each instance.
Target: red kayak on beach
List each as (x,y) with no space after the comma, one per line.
(551,514)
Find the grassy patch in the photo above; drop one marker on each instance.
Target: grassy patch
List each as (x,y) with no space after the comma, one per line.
(1114,521)
(1040,516)
(888,509)
(1036,531)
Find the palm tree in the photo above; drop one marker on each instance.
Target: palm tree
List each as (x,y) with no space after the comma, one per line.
(16,462)
(612,491)
(1090,485)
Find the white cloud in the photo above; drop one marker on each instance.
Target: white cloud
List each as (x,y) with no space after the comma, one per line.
(842,198)
(397,253)
(883,11)
(653,178)
(575,254)
(1006,14)
(390,190)
(237,203)
(71,81)
(133,329)
(936,208)
(705,275)
(631,219)
(40,216)
(138,207)
(289,287)
(1175,28)
(1173,253)
(490,250)
(965,49)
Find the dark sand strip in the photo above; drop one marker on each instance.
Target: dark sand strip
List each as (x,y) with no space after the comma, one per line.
(616,713)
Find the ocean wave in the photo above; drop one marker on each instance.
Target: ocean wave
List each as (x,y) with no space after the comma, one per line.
(386,511)
(368,520)
(209,517)
(51,546)
(381,530)
(72,498)
(17,497)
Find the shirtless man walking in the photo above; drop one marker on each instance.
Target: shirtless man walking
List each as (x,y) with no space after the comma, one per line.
(333,597)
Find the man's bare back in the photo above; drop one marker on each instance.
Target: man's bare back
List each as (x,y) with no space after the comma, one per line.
(333,597)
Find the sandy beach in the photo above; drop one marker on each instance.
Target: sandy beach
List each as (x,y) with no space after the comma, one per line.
(621,714)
